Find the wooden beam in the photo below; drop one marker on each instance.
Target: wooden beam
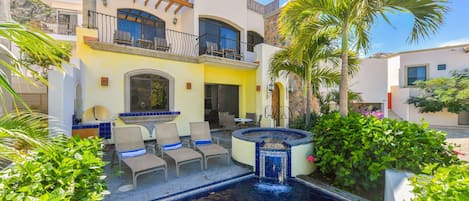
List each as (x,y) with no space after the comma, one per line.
(146,2)
(158,3)
(177,9)
(183,2)
(168,6)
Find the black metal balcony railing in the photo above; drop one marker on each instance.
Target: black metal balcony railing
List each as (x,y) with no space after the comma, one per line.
(57,28)
(170,41)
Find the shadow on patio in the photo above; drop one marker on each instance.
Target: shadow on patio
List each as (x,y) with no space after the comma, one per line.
(152,185)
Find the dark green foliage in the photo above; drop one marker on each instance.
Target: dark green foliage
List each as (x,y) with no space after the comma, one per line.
(300,123)
(70,169)
(445,183)
(355,150)
(439,93)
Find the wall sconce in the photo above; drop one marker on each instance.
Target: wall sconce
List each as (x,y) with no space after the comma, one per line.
(290,89)
(258,88)
(188,85)
(175,21)
(104,81)
(270,87)
(104,3)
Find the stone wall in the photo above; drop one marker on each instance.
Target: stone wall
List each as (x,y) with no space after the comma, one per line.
(31,12)
(296,99)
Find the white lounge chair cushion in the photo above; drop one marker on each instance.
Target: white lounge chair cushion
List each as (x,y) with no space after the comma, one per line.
(133,153)
(167,147)
(203,142)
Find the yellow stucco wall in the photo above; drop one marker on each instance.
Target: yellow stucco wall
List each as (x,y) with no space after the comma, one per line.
(245,79)
(243,151)
(96,64)
(299,162)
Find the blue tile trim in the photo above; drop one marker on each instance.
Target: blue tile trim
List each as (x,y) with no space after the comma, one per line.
(289,162)
(105,130)
(136,114)
(308,137)
(199,187)
(81,126)
(257,166)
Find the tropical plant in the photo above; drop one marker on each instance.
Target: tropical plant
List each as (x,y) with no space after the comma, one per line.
(355,150)
(37,44)
(69,169)
(315,66)
(350,22)
(23,131)
(442,183)
(439,93)
(306,69)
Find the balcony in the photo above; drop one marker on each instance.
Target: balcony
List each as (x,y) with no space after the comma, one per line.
(146,35)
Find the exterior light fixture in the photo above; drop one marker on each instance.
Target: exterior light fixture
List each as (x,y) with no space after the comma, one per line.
(270,87)
(290,89)
(175,21)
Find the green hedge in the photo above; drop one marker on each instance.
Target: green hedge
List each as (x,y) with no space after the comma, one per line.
(445,183)
(70,169)
(354,151)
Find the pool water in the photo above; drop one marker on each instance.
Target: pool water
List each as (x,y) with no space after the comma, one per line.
(253,190)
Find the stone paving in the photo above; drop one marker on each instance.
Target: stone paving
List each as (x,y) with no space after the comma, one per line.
(152,185)
(460,136)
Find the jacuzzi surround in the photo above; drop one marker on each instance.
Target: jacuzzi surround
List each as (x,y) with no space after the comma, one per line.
(272,151)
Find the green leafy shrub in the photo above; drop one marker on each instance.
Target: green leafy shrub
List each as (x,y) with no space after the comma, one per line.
(445,183)
(300,122)
(354,151)
(70,169)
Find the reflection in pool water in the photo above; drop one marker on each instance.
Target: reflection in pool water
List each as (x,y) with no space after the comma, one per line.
(254,190)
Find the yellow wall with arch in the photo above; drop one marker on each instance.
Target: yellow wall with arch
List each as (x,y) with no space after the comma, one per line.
(95,64)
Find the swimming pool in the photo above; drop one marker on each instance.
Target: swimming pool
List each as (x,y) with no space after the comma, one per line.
(250,188)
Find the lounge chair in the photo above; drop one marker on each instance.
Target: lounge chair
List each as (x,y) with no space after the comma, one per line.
(168,141)
(131,150)
(161,44)
(123,38)
(201,139)
(212,49)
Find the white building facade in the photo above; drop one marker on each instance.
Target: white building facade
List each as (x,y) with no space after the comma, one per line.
(388,81)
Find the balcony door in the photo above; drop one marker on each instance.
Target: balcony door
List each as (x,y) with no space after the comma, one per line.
(140,24)
(214,31)
(220,98)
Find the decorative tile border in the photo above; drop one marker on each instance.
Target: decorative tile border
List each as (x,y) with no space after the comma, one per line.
(84,126)
(136,114)
(104,128)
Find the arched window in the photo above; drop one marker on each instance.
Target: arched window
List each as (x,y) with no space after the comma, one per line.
(254,39)
(140,24)
(149,90)
(219,33)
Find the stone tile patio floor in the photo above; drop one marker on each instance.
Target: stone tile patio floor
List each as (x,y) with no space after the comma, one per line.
(458,135)
(152,185)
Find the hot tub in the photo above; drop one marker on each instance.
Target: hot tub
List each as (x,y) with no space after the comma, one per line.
(273,152)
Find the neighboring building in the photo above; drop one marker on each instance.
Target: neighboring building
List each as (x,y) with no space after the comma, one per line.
(386,82)
(147,61)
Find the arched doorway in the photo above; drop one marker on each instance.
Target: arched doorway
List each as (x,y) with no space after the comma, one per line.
(276,105)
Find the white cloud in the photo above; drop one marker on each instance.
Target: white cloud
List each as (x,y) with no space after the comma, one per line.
(455,42)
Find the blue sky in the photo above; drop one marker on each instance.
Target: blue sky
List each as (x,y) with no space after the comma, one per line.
(386,38)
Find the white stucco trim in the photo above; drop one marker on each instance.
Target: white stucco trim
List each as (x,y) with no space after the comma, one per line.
(148,71)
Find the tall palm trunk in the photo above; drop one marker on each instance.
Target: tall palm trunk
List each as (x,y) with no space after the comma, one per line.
(343,88)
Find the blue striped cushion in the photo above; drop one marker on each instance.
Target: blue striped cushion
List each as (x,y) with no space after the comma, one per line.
(203,142)
(167,147)
(133,153)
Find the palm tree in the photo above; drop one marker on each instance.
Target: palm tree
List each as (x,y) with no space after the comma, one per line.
(306,66)
(22,131)
(350,22)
